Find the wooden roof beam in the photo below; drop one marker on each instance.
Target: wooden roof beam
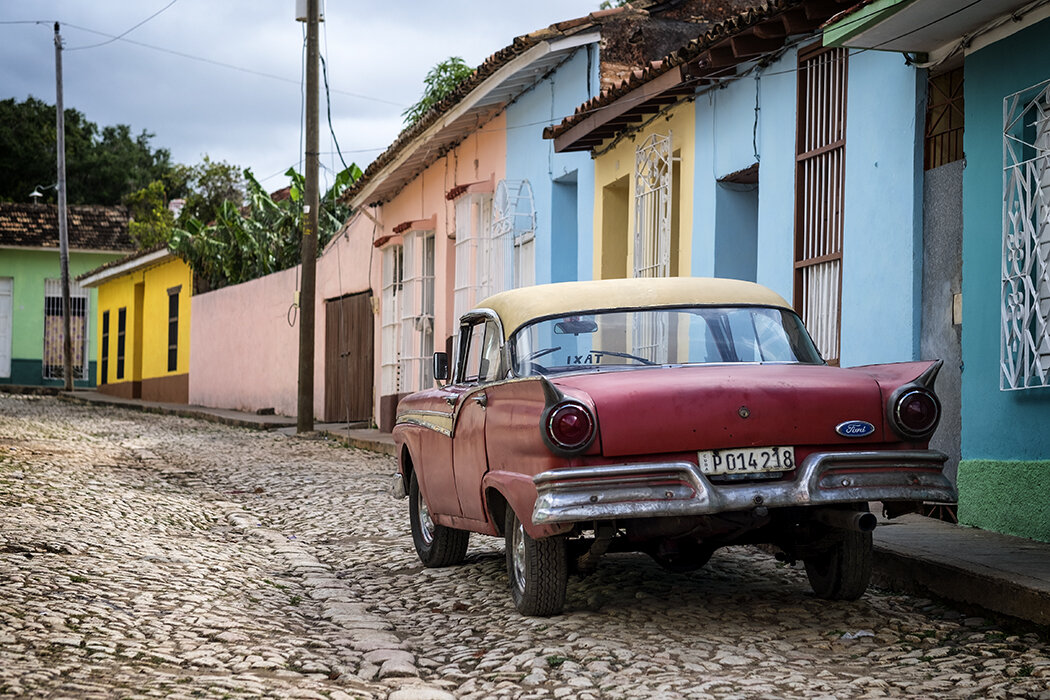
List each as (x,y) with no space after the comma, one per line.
(626,103)
(753,45)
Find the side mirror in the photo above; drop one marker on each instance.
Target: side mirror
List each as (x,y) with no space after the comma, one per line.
(441,366)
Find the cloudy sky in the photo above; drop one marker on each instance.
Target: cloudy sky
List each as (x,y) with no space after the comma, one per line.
(223,77)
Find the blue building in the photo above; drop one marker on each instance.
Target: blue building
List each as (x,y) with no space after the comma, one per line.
(785,162)
(988,194)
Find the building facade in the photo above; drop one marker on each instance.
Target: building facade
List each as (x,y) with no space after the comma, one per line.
(143,326)
(31,325)
(987,122)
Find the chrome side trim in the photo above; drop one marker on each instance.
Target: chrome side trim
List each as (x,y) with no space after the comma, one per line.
(433,420)
(679,488)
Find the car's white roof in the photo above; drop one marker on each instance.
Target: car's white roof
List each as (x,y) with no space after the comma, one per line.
(517,307)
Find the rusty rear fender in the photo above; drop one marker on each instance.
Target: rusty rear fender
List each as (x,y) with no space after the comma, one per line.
(503,489)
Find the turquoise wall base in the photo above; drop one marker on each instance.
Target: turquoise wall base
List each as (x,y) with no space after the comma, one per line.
(1012,497)
(31,373)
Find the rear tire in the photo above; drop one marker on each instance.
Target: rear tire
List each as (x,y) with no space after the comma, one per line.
(538,570)
(843,572)
(436,545)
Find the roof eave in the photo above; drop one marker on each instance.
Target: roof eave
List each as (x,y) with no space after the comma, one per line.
(367,194)
(106,273)
(714,57)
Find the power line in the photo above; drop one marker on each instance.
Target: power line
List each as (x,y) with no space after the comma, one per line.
(121,36)
(201,59)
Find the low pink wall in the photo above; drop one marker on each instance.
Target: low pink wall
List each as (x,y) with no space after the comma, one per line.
(243,353)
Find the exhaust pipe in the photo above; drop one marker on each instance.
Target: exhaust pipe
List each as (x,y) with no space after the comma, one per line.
(846,519)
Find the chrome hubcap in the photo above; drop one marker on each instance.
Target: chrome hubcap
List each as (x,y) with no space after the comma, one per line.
(426,524)
(518,556)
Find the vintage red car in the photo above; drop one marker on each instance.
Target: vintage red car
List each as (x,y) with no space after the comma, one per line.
(668,416)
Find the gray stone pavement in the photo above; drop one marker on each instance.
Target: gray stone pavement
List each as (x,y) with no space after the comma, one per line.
(146,555)
(994,572)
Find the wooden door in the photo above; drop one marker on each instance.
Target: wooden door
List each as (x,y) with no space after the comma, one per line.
(348,358)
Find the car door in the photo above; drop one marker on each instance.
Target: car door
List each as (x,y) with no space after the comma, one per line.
(480,365)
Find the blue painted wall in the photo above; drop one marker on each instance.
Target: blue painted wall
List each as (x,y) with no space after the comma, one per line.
(736,231)
(776,175)
(883,203)
(727,141)
(882,246)
(564,243)
(996,425)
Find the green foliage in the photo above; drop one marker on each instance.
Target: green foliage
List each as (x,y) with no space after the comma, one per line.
(206,187)
(262,238)
(102,165)
(151,220)
(439,83)
(608,5)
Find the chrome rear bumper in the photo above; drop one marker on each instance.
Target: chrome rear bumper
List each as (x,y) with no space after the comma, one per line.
(679,488)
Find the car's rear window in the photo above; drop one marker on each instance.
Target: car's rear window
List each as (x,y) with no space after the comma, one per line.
(649,337)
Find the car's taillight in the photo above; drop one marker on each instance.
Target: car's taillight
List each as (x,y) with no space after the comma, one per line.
(569,427)
(915,412)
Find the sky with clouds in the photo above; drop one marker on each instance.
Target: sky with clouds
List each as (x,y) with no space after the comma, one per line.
(224,77)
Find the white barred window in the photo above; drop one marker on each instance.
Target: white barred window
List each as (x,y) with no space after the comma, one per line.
(417,311)
(54,334)
(473,236)
(1025,347)
(512,255)
(652,207)
(390,319)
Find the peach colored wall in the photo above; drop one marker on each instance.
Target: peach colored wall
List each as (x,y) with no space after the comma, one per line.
(246,353)
(481,156)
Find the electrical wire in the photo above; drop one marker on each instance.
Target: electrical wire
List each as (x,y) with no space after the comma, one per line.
(121,36)
(221,64)
(328,105)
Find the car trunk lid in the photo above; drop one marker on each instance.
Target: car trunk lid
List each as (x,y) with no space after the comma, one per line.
(675,409)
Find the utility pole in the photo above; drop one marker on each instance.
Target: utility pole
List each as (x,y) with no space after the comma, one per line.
(63,232)
(305,420)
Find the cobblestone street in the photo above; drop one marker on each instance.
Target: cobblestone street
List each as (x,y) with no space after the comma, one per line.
(145,555)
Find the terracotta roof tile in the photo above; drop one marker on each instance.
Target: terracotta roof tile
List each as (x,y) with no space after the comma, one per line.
(698,12)
(717,32)
(90,227)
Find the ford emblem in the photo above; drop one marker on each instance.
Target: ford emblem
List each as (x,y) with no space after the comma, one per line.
(855,428)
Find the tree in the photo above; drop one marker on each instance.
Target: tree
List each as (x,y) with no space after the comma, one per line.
(206,187)
(102,166)
(261,238)
(439,83)
(151,221)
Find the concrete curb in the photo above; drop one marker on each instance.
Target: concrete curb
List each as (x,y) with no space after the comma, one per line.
(904,569)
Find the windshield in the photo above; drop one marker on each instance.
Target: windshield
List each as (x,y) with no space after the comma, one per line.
(650,337)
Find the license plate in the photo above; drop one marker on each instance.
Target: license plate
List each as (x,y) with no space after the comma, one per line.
(747,460)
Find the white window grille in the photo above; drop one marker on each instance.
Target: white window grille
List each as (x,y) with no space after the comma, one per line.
(417,311)
(1025,349)
(652,234)
(819,188)
(54,354)
(390,319)
(473,233)
(652,207)
(512,254)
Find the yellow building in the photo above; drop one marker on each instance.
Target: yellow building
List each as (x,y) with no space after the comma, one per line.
(643,212)
(143,326)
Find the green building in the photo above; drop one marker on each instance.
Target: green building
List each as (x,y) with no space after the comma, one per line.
(31,328)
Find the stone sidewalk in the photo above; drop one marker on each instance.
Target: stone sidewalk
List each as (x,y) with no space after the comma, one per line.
(913,554)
